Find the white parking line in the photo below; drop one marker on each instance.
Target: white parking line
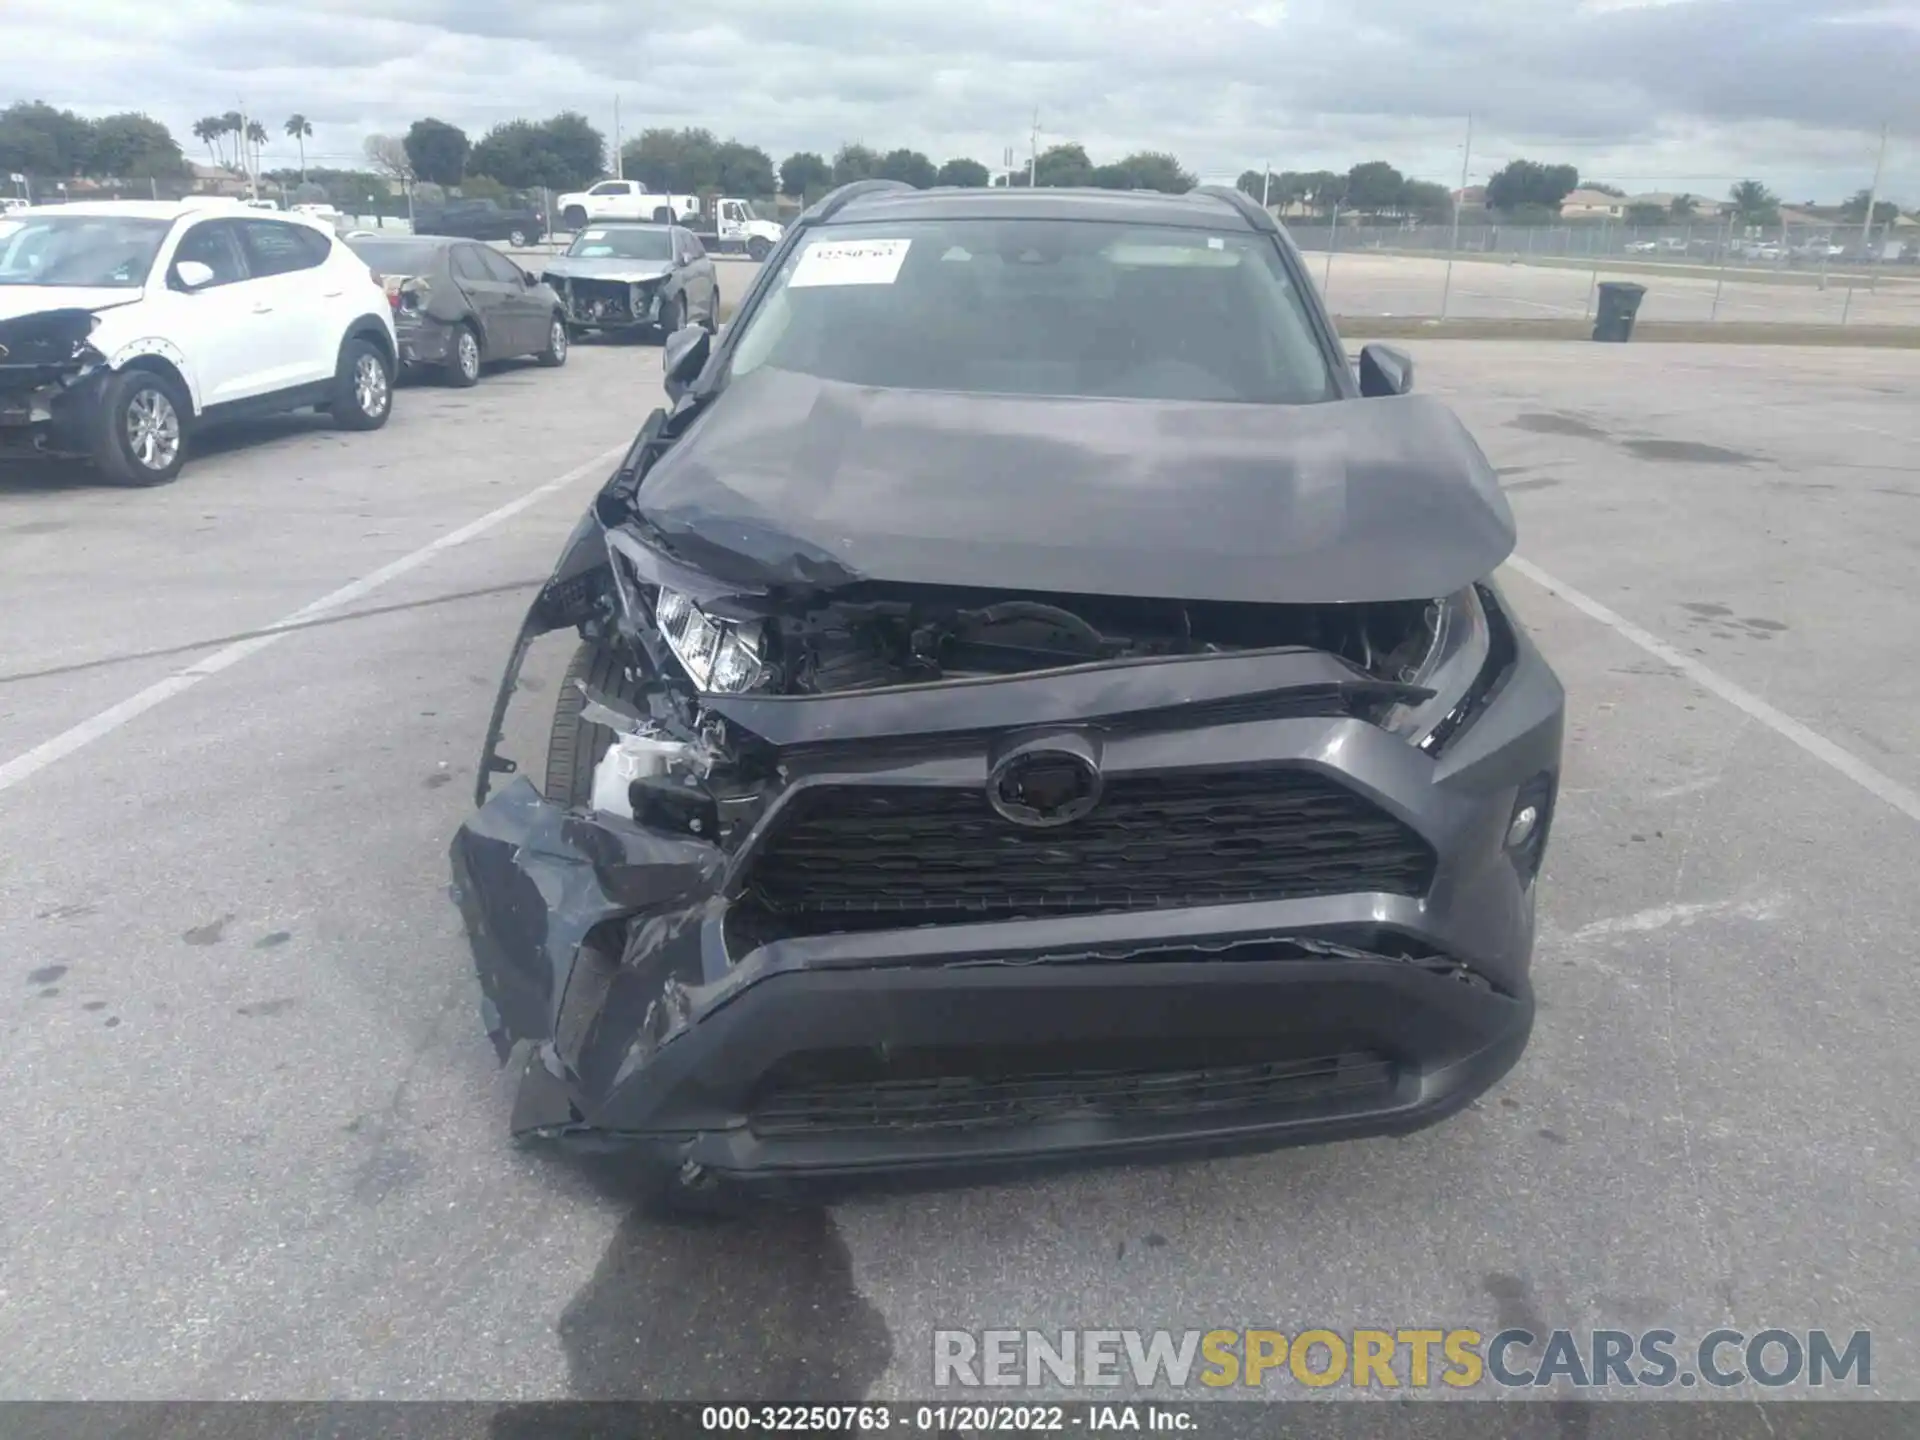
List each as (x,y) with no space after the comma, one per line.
(80,736)
(1883,787)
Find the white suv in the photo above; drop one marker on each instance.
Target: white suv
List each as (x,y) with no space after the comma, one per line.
(127,326)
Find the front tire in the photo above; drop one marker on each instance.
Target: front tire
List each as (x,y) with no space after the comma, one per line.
(758,248)
(673,314)
(575,744)
(517,239)
(463,370)
(559,339)
(142,429)
(363,387)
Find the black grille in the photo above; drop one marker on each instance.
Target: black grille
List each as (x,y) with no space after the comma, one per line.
(871,857)
(599,299)
(968,1102)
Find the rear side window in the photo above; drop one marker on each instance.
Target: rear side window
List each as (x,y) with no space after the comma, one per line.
(695,250)
(468,264)
(499,267)
(276,249)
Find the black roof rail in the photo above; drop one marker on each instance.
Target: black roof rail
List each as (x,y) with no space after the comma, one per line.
(828,204)
(1250,209)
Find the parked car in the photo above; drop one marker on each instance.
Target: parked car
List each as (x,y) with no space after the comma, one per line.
(623,200)
(628,278)
(127,327)
(1036,700)
(458,304)
(481,220)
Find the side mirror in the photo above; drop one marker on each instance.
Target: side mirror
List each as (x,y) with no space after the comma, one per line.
(1385,370)
(193,275)
(684,357)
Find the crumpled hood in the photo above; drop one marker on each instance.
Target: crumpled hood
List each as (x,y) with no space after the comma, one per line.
(18,300)
(793,481)
(610,268)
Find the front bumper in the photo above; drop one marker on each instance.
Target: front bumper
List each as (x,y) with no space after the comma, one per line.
(650,1010)
(598,308)
(56,420)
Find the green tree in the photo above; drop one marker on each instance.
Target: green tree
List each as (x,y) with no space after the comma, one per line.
(908,165)
(1754,203)
(210,130)
(1426,201)
(672,162)
(134,147)
(1682,207)
(36,137)
(562,153)
(1145,170)
(436,151)
(1885,212)
(483,187)
(256,138)
(575,152)
(804,173)
(1255,183)
(1529,185)
(745,170)
(967,174)
(1646,213)
(388,157)
(1322,189)
(300,131)
(1063,165)
(1375,187)
(855,162)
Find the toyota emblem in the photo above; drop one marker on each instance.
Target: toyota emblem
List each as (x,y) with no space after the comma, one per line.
(1043,788)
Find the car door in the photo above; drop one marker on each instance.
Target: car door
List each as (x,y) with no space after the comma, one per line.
(299,338)
(528,312)
(217,327)
(488,297)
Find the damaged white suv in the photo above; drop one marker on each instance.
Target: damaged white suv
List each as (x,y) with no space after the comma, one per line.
(128,326)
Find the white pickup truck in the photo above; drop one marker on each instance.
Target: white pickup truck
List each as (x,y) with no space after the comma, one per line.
(623,200)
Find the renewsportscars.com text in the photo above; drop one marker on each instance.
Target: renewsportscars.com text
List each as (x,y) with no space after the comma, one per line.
(1410,1358)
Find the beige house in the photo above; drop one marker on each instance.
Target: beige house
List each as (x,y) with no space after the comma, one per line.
(1592,205)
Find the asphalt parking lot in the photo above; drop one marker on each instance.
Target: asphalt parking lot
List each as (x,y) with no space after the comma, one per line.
(257,1143)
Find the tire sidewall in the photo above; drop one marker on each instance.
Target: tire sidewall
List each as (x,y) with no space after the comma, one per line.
(559,341)
(346,401)
(457,369)
(117,459)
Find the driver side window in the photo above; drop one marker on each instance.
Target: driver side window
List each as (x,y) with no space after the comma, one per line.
(213,243)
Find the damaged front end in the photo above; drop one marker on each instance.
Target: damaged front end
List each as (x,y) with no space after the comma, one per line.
(857,873)
(48,373)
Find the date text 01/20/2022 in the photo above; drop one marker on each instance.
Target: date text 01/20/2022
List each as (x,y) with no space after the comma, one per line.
(946,1419)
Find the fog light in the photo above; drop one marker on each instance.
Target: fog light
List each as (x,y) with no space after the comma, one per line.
(1521,829)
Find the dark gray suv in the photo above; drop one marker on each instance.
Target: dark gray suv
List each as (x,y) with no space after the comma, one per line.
(1036,701)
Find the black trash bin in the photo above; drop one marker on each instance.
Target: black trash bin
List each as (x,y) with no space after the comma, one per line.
(1619,303)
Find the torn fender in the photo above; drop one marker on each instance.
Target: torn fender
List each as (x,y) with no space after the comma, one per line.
(533,879)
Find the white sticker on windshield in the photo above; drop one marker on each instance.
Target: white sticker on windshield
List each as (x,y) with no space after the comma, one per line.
(850,262)
(594,235)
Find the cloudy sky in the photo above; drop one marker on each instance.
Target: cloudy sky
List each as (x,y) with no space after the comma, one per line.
(1648,94)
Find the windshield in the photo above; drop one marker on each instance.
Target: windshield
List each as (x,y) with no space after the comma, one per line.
(623,242)
(395,257)
(80,250)
(1042,307)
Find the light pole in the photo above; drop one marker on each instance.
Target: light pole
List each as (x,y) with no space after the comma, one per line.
(1453,245)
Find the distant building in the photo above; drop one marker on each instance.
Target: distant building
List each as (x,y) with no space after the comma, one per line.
(1592,205)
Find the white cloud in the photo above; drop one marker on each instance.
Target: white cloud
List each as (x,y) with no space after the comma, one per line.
(1671,95)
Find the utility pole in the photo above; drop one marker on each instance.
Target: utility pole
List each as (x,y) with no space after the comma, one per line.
(619,160)
(1873,197)
(1033,152)
(246,153)
(1266,184)
(1453,245)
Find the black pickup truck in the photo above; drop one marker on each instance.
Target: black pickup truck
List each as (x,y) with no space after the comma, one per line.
(481,220)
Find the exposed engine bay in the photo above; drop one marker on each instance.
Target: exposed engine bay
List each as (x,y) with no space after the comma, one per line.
(43,357)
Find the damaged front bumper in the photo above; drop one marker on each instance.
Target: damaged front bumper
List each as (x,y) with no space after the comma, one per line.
(1283,924)
(49,386)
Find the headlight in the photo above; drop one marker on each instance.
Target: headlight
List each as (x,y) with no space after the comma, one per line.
(1462,640)
(720,657)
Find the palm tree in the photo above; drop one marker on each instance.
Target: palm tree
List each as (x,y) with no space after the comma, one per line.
(256,137)
(1682,208)
(207,130)
(1753,202)
(299,129)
